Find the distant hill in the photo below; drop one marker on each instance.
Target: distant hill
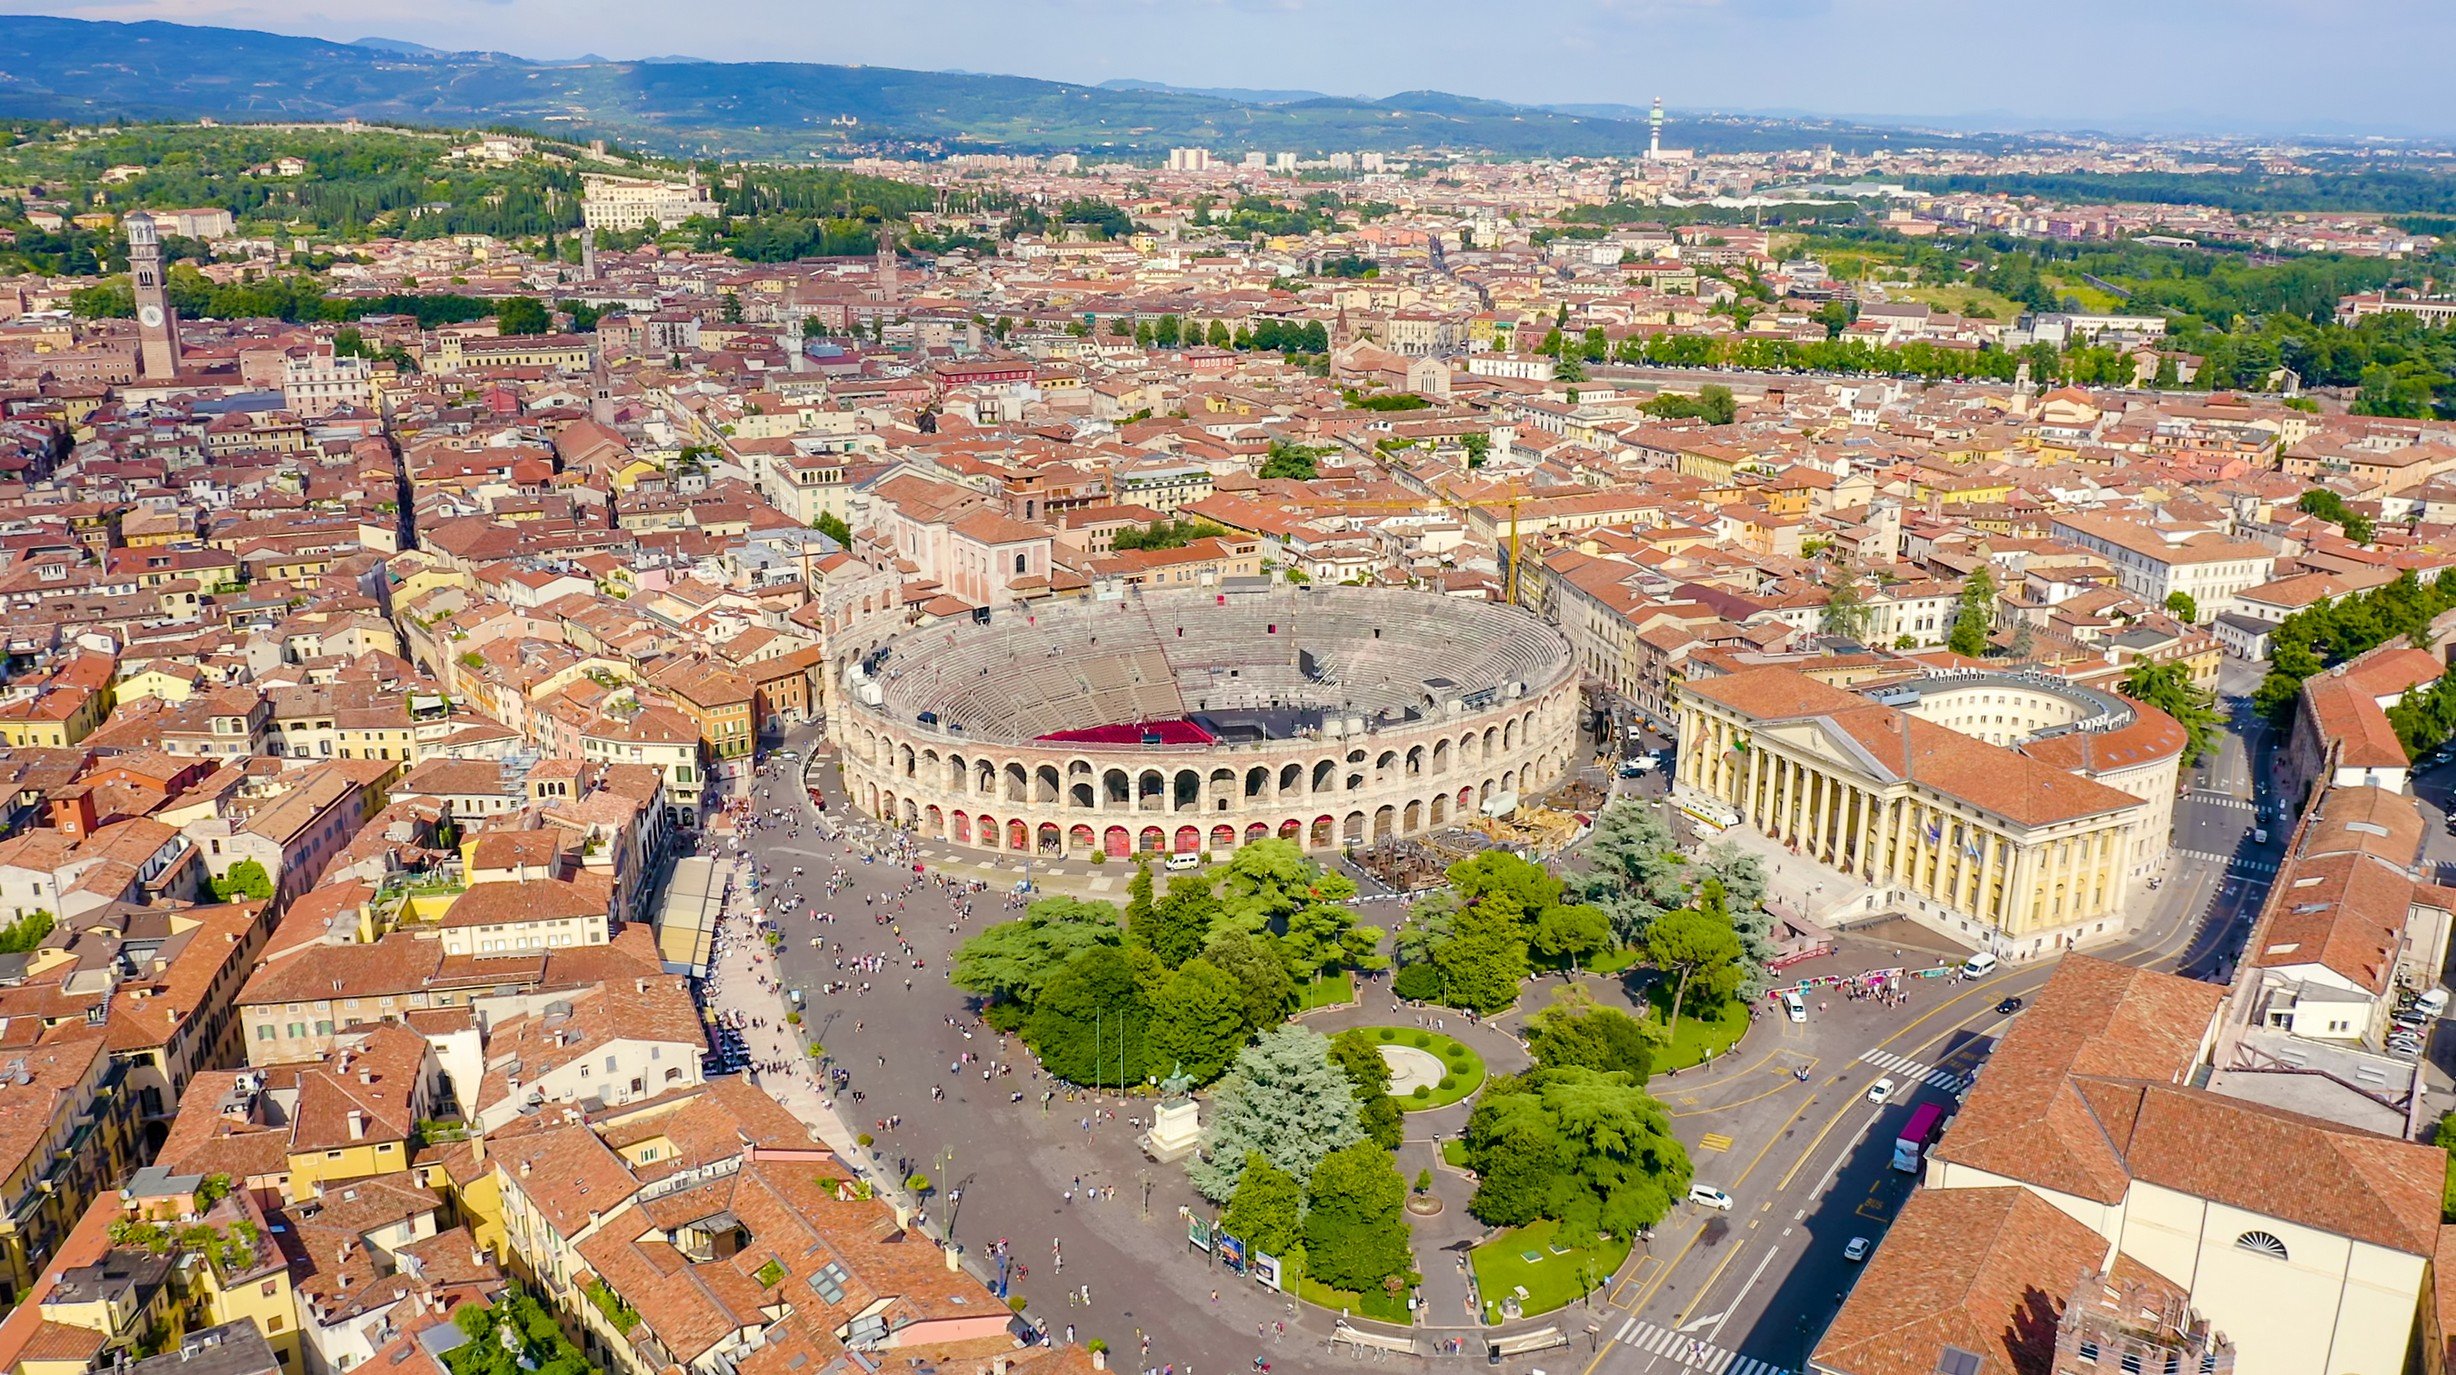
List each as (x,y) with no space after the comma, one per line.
(1246,95)
(54,68)
(397,45)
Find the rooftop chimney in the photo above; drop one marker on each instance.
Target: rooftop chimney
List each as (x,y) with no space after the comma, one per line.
(358,1125)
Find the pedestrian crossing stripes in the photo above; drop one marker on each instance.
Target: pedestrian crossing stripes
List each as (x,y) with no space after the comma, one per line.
(2235,862)
(1929,1075)
(1714,1141)
(2221,800)
(1691,1352)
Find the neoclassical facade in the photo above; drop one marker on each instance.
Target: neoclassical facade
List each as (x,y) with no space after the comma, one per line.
(1184,722)
(1918,791)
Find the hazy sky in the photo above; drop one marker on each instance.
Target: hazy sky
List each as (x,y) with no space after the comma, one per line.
(2330,66)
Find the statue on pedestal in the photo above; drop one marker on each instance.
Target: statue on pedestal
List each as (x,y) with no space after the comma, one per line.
(1176,1125)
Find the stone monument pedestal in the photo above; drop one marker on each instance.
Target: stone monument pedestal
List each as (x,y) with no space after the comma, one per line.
(1176,1129)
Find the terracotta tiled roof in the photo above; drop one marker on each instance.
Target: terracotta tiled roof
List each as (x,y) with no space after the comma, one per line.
(2024,1120)
(2088,1092)
(1981,1270)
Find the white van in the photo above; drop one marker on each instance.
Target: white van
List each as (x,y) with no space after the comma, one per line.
(1793,1007)
(2432,1004)
(1185,860)
(1978,966)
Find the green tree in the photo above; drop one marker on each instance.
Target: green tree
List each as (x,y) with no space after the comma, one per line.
(1270,880)
(25,935)
(1587,1147)
(1503,881)
(1179,925)
(1696,945)
(1484,957)
(1198,1021)
(1285,1101)
(2182,605)
(1574,1029)
(1138,895)
(1326,934)
(1846,606)
(2169,688)
(1283,459)
(522,315)
(1357,1052)
(246,879)
(1356,1231)
(1014,960)
(1635,870)
(1263,987)
(2332,632)
(1975,616)
(1218,336)
(1093,1023)
(1266,1211)
(832,525)
(2328,506)
(1570,933)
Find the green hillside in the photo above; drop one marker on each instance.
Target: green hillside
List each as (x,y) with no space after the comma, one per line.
(53,68)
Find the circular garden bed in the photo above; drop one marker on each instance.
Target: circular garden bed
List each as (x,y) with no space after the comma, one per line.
(1412,1051)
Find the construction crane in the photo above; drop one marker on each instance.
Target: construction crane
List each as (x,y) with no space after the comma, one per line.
(1510,503)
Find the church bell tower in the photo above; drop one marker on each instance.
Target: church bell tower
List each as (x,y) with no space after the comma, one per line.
(157,330)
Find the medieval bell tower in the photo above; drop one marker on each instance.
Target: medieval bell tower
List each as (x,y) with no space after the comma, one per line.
(157,330)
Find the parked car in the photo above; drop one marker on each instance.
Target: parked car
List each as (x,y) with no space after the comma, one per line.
(1857,1250)
(1707,1196)
(1881,1092)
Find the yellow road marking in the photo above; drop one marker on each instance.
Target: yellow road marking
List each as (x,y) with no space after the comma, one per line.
(1636,1279)
(1976,990)
(1714,1141)
(1708,1287)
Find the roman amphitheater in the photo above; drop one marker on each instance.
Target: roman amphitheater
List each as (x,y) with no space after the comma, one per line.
(1196,720)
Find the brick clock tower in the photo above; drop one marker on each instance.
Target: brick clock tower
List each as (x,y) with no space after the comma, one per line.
(157,330)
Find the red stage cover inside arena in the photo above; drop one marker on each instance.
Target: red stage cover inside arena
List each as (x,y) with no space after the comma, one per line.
(1178,732)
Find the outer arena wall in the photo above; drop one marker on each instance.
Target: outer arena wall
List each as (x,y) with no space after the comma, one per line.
(1493,691)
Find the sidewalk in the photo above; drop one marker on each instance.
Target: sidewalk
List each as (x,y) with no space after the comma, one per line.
(743,978)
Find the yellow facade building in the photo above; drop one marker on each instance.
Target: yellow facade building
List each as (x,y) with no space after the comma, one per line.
(1955,827)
